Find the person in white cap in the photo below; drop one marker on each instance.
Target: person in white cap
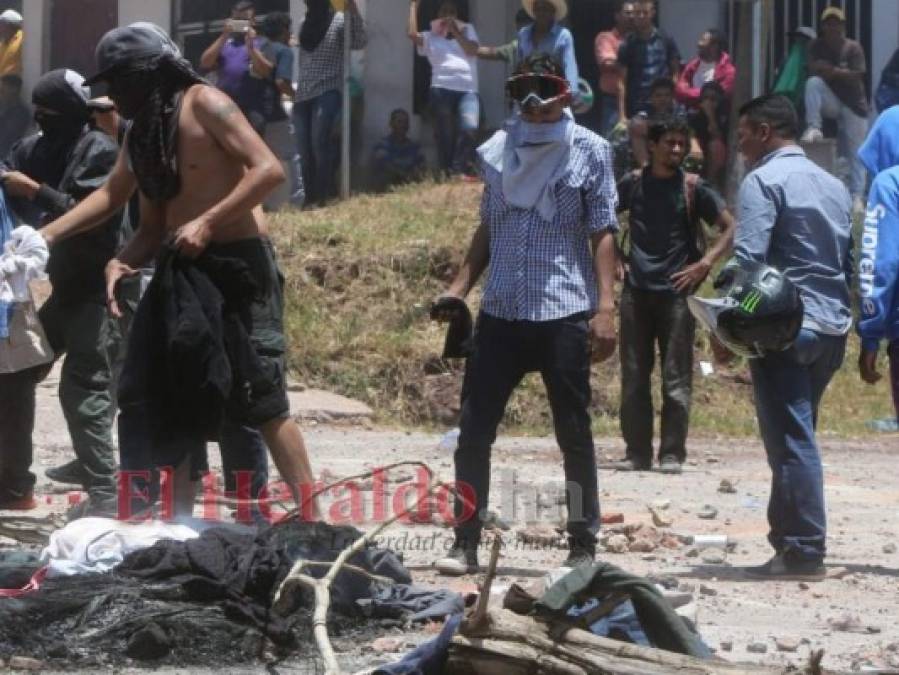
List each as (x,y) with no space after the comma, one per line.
(10,43)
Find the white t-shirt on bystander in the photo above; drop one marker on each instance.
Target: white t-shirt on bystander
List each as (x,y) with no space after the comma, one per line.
(451,67)
(705,73)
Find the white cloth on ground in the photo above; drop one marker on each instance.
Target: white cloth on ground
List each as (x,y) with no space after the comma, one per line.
(97,545)
(23,259)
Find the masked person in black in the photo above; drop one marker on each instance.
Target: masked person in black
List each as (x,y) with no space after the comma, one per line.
(48,174)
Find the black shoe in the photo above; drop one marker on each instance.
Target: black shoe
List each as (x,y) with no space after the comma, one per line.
(17,500)
(671,465)
(626,464)
(94,507)
(778,569)
(460,560)
(71,473)
(580,556)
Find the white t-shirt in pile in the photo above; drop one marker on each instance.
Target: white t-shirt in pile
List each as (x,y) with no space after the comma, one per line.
(451,67)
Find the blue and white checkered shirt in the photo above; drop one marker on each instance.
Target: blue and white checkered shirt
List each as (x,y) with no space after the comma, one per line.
(541,270)
(322,70)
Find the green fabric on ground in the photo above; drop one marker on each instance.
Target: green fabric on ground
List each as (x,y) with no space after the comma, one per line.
(662,625)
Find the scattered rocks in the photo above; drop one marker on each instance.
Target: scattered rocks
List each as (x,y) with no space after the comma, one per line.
(386,645)
(713,556)
(727,646)
(707,590)
(889,549)
(757,648)
(708,512)
(25,663)
(617,543)
(803,586)
(637,539)
(786,644)
(727,487)
(541,536)
(846,623)
(659,519)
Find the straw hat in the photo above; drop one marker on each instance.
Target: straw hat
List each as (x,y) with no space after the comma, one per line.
(560,5)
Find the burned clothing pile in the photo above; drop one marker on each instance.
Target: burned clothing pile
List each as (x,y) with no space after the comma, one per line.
(207,600)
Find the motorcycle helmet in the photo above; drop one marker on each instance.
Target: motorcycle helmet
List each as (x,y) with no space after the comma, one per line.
(758,309)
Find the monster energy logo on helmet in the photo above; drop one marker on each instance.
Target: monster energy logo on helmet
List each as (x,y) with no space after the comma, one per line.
(751,302)
(758,309)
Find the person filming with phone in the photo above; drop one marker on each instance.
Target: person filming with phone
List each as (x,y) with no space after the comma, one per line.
(235,59)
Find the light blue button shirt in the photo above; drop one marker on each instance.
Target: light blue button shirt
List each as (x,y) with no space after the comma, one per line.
(558,43)
(796,217)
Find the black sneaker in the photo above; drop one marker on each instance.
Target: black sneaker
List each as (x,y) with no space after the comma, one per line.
(626,464)
(778,569)
(94,507)
(71,473)
(580,556)
(459,561)
(671,465)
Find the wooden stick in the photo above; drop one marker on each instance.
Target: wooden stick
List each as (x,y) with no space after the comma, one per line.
(479,620)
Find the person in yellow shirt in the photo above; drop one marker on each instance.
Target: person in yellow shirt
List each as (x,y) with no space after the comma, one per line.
(10,43)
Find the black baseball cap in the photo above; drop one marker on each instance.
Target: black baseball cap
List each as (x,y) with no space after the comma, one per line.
(128,44)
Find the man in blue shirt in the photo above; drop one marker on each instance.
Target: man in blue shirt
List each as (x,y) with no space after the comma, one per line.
(397,159)
(645,56)
(795,217)
(878,269)
(547,226)
(546,35)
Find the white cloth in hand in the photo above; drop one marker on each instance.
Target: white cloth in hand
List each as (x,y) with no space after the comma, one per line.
(23,259)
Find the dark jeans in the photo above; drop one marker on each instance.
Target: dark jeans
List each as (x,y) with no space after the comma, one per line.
(315,124)
(788,389)
(17,403)
(504,351)
(242,448)
(649,318)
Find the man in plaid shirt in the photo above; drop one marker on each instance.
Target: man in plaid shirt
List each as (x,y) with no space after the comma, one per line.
(547,232)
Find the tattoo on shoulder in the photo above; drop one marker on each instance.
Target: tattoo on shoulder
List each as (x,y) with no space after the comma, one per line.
(225,109)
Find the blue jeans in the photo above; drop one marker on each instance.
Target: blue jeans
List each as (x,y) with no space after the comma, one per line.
(788,389)
(315,124)
(608,113)
(457,115)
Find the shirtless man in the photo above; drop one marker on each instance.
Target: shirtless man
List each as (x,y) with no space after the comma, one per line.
(201,184)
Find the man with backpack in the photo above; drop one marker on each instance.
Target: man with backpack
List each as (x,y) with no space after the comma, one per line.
(667,259)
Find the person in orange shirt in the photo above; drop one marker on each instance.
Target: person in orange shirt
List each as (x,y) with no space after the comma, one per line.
(606,49)
(10,43)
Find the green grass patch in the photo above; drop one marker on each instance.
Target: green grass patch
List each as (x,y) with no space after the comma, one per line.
(360,277)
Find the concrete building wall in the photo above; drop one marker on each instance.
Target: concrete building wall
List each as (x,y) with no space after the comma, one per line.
(685,20)
(155,11)
(36,49)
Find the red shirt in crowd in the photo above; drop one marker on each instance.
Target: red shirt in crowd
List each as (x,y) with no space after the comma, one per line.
(724,74)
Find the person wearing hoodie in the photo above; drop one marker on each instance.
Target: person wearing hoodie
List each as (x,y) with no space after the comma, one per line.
(878,269)
(49,174)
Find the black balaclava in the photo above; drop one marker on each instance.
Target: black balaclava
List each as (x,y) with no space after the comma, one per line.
(63,92)
(319,15)
(147,76)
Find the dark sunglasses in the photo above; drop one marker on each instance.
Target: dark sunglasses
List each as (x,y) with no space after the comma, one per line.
(538,89)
